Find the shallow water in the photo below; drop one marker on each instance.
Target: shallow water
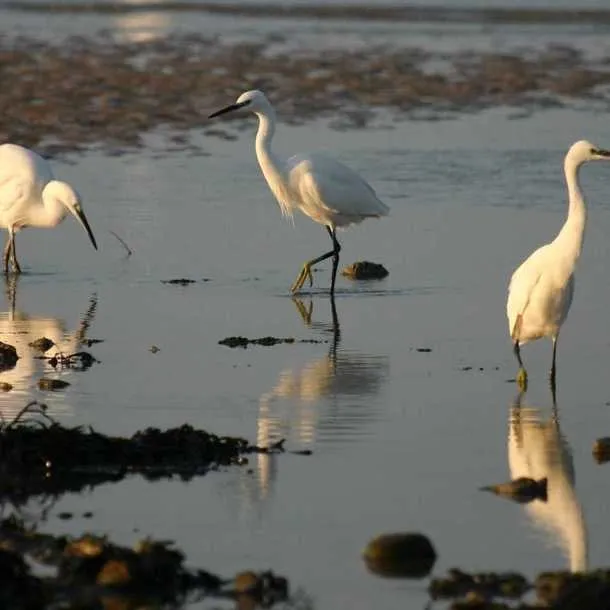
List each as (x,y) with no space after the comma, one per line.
(401,439)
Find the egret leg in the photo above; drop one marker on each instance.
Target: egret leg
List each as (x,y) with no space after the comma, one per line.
(7,252)
(522,374)
(14,261)
(306,270)
(553,365)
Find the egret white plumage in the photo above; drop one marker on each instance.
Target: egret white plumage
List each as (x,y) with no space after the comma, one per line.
(541,289)
(31,197)
(327,191)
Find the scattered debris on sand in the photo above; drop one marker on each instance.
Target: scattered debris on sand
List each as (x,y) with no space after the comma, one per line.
(61,98)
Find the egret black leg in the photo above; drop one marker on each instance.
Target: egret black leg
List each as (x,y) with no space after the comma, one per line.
(7,252)
(553,365)
(336,250)
(522,375)
(16,267)
(306,270)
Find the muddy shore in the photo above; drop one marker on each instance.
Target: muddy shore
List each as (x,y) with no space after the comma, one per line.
(88,92)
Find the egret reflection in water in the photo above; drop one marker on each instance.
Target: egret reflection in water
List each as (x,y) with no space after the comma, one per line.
(19,329)
(538,449)
(327,399)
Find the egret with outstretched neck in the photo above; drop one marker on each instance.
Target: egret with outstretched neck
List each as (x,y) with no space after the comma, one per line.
(541,290)
(327,191)
(31,197)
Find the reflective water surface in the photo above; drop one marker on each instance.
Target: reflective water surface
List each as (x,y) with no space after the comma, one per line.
(402,389)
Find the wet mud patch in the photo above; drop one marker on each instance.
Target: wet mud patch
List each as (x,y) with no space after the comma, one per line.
(88,92)
(92,572)
(40,456)
(184,281)
(244,342)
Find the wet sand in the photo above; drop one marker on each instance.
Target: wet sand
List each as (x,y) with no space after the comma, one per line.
(84,93)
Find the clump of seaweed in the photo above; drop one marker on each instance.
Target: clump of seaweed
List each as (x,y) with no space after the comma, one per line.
(90,570)
(40,456)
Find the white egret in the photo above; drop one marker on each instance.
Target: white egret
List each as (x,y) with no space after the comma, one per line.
(327,191)
(31,197)
(541,289)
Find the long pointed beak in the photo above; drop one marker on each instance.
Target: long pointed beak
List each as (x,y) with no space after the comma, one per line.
(600,152)
(82,219)
(230,108)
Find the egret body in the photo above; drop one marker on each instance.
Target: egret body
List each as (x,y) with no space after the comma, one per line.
(31,197)
(327,191)
(541,289)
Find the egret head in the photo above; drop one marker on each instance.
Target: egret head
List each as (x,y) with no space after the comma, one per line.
(583,151)
(65,196)
(253,101)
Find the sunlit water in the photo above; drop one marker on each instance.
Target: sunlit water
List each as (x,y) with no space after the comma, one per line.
(402,438)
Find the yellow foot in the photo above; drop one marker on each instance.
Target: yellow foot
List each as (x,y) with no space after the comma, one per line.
(305,274)
(522,379)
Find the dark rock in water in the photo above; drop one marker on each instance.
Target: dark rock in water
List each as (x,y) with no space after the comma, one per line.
(244,341)
(574,591)
(154,349)
(179,281)
(92,572)
(601,450)
(522,490)
(52,384)
(365,270)
(408,555)
(42,345)
(35,446)
(482,586)
(8,356)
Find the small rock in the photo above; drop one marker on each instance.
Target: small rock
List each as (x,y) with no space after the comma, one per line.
(8,356)
(65,516)
(601,450)
(521,490)
(42,345)
(408,555)
(423,350)
(114,572)
(52,384)
(365,270)
(154,349)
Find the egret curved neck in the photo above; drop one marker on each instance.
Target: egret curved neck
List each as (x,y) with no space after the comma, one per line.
(273,169)
(572,232)
(50,213)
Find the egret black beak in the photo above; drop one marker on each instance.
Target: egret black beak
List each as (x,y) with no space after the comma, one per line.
(82,219)
(230,108)
(600,152)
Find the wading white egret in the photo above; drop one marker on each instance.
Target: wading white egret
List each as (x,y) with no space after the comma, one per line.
(541,289)
(31,197)
(327,191)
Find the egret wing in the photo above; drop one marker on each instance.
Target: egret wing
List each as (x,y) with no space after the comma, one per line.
(522,285)
(322,182)
(13,191)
